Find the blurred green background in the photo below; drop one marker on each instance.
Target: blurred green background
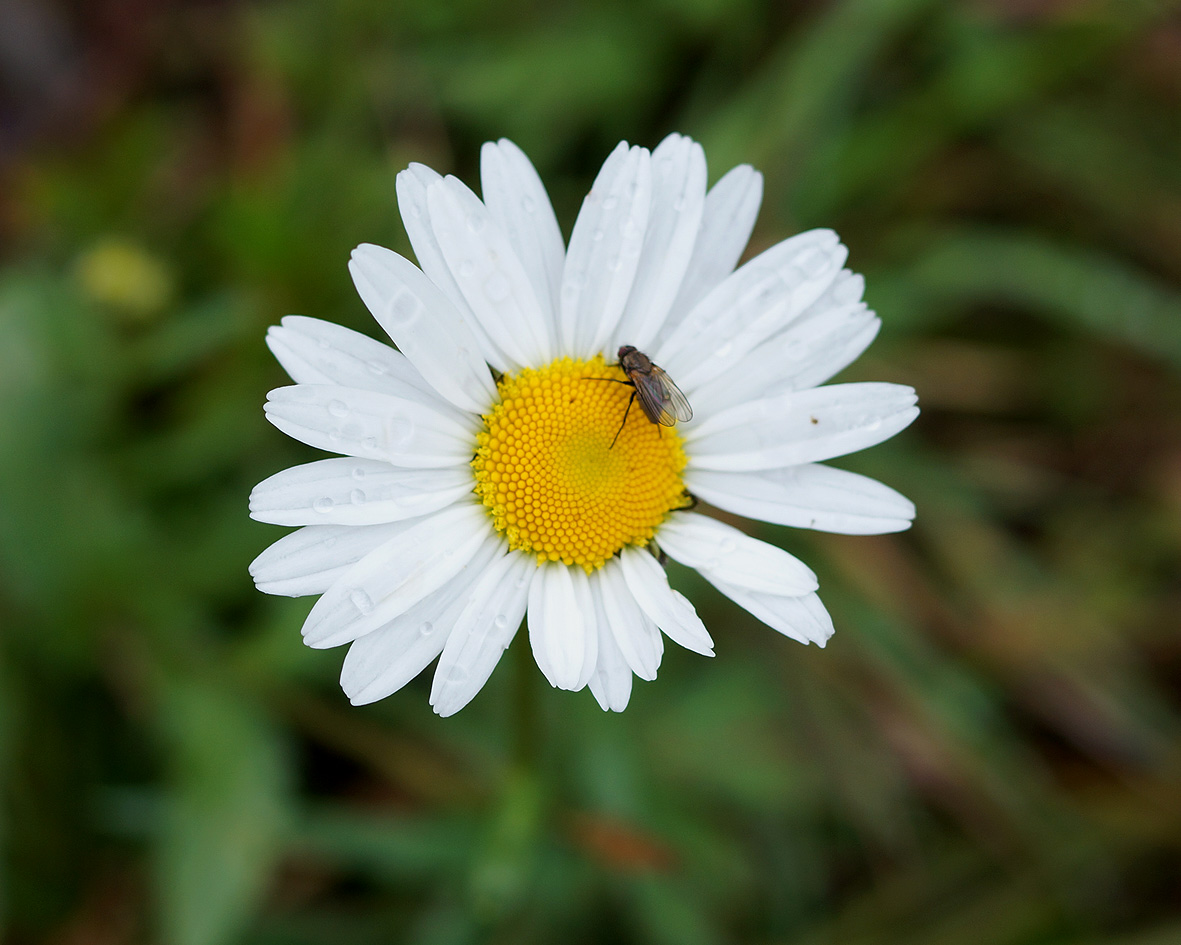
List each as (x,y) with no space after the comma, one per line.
(988,749)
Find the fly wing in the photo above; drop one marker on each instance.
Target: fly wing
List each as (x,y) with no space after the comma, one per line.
(661,399)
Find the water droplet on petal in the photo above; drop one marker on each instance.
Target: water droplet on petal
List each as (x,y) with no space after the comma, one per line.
(358,472)
(426,628)
(497,288)
(610,203)
(376,367)
(335,435)
(597,235)
(357,497)
(362,601)
(458,674)
(528,205)
(405,308)
(369,442)
(323,504)
(475,222)
(338,408)
(467,268)
(500,622)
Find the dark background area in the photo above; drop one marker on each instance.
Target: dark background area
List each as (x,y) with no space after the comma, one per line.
(986,752)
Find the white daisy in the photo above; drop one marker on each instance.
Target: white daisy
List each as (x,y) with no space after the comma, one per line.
(479,482)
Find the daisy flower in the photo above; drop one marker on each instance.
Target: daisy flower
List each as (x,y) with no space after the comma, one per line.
(487,471)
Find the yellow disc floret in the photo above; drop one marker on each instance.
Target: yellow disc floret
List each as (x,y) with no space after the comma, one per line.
(555,485)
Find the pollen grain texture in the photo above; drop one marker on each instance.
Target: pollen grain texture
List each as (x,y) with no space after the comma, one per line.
(547,472)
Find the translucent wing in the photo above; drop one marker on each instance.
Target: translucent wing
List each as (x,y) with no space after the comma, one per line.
(661,399)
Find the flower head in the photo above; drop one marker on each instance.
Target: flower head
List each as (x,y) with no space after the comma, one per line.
(500,463)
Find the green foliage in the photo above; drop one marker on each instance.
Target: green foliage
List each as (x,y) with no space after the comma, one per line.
(988,750)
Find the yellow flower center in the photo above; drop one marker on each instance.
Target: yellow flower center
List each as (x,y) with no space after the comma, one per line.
(553,482)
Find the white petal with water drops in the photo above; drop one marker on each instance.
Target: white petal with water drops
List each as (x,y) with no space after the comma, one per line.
(561,625)
(802,618)
(637,637)
(518,202)
(424,324)
(678,195)
(370,425)
(396,576)
(727,220)
(604,251)
(355,492)
(312,559)
(801,427)
(493,609)
(383,661)
(611,681)
(721,551)
(808,496)
(488,273)
(666,608)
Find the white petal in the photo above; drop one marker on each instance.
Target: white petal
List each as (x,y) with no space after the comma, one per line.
(801,427)
(678,196)
(424,324)
(355,492)
(637,637)
(726,224)
(810,496)
(829,336)
(668,609)
(312,559)
(516,198)
(492,612)
(723,552)
(801,618)
(488,273)
(562,625)
(365,423)
(314,351)
(416,217)
(605,251)
(755,302)
(611,682)
(382,662)
(396,576)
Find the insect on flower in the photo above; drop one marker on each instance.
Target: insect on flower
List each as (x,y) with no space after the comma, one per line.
(660,399)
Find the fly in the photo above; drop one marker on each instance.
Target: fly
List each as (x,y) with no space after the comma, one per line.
(660,398)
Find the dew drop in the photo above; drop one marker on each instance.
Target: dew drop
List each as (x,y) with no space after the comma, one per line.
(335,435)
(497,288)
(369,442)
(362,601)
(357,497)
(323,504)
(467,268)
(475,222)
(426,628)
(376,367)
(528,205)
(614,263)
(358,472)
(458,674)
(610,203)
(500,622)
(400,430)
(338,408)
(597,235)
(404,308)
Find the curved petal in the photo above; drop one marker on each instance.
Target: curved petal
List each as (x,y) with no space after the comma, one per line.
(562,625)
(678,196)
(727,220)
(396,576)
(488,273)
(416,217)
(516,198)
(383,661)
(355,492)
(604,251)
(397,430)
(637,637)
(312,559)
(801,427)
(758,300)
(666,608)
(720,551)
(802,618)
(314,351)
(829,336)
(810,496)
(611,681)
(492,611)
(424,325)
